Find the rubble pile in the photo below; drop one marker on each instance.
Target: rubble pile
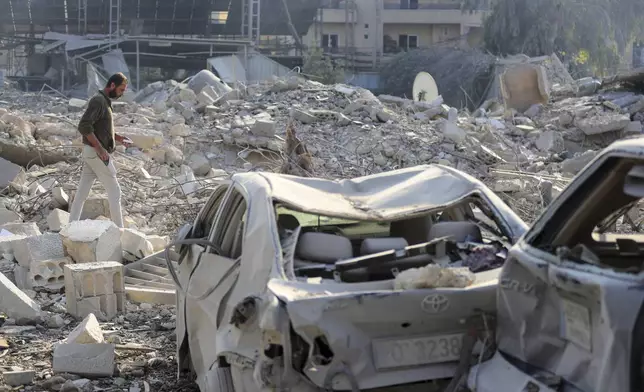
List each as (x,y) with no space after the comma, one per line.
(188,135)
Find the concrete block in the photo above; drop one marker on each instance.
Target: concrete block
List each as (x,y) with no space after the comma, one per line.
(60,197)
(158,242)
(9,216)
(28,229)
(264,128)
(9,172)
(90,241)
(43,247)
(149,295)
(49,274)
(6,245)
(94,207)
(135,245)
(87,332)
(97,288)
(179,130)
(84,359)
(199,164)
(77,103)
(57,219)
(19,377)
(524,85)
(143,138)
(16,304)
(21,278)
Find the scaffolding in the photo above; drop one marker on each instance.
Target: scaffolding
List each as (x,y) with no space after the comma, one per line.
(82,17)
(251,20)
(350,14)
(115,22)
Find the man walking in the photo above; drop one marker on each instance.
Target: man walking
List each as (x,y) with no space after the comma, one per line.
(99,142)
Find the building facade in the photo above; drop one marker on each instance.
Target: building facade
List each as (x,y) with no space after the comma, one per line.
(367,32)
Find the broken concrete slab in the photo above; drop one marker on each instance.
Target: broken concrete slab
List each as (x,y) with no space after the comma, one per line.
(97,288)
(43,247)
(89,241)
(19,377)
(28,229)
(606,122)
(9,171)
(57,219)
(60,197)
(135,245)
(84,359)
(15,303)
(264,127)
(9,216)
(95,206)
(142,138)
(87,332)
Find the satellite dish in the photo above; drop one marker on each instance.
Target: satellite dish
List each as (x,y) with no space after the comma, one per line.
(425,89)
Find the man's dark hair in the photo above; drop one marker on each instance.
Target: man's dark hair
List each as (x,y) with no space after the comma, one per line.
(118,79)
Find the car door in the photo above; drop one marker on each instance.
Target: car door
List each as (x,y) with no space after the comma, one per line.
(570,294)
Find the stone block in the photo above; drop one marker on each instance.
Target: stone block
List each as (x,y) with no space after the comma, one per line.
(6,245)
(90,241)
(179,130)
(94,207)
(77,103)
(87,332)
(84,359)
(49,274)
(28,229)
(19,377)
(21,278)
(264,128)
(135,245)
(97,288)
(57,219)
(15,303)
(43,247)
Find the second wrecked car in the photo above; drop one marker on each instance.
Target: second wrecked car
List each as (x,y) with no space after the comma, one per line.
(302,283)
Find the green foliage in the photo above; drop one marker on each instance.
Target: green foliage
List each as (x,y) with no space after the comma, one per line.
(322,68)
(589,35)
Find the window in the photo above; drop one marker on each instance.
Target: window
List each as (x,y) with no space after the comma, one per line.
(219,17)
(330,41)
(366,36)
(407,42)
(366,25)
(408,4)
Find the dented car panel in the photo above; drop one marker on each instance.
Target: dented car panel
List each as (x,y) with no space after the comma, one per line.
(241,308)
(569,302)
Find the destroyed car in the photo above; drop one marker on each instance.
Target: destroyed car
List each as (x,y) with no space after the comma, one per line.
(570,296)
(302,283)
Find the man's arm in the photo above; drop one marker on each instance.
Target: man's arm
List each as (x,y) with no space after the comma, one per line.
(126,141)
(93,112)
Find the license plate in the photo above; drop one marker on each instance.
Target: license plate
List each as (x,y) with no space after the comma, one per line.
(393,353)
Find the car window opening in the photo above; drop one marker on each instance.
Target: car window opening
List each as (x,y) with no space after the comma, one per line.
(444,248)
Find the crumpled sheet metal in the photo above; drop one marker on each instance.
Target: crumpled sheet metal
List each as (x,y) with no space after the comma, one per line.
(571,322)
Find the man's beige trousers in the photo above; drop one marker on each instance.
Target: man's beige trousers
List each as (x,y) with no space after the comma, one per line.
(94,168)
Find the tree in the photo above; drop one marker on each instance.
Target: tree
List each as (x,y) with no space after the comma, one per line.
(321,68)
(593,33)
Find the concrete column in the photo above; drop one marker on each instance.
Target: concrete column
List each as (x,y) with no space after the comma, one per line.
(464,31)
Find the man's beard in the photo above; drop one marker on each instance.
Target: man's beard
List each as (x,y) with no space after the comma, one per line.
(112,95)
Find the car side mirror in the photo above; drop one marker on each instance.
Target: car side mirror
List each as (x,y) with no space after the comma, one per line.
(634,182)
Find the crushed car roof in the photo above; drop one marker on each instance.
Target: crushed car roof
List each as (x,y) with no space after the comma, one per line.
(374,197)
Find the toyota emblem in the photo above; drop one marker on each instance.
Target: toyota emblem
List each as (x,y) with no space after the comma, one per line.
(434,303)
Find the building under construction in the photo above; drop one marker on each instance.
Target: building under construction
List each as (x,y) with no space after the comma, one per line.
(53,39)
